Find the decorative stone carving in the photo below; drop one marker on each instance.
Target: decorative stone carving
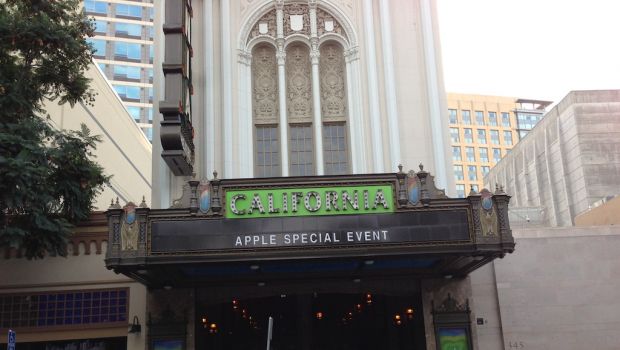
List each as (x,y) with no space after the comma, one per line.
(351,54)
(264,84)
(266,26)
(326,23)
(333,92)
(129,228)
(299,83)
(488,214)
(296,19)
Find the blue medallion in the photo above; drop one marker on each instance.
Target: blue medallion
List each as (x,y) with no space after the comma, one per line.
(414,191)
(205,199)
(130,213)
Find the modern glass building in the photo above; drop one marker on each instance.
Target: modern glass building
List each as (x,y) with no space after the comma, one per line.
(123,42)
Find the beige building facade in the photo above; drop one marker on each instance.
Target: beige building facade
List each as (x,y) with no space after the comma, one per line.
(483,129)
(567,163)
(75,302)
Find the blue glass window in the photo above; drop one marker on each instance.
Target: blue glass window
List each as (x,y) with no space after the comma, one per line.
(127,50)
(98,46)
(129,29)
(95,6)
(127,72)
(452,115)
(101,26)
(129,10)
(132,92)
(134,112)
(492,118)
(62,308)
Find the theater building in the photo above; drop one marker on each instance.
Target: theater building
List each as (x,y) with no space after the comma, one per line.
(277,191)
(377,261)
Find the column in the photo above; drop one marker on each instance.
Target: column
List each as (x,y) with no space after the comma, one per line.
(246,153)
(373,89)
(437,132)
(281,57)
(208,131)
(390,86)
(316,91)
(356,125)
(226,89)
(316,109)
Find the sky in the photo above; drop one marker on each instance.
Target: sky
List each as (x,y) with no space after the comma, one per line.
(536,49)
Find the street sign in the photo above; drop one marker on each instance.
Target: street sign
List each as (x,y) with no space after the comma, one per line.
(11,342)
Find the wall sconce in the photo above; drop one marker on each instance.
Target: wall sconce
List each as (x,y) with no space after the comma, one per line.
(135,326)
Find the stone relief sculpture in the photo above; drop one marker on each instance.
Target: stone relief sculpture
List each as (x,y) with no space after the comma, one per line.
(326,23)
(296,19)
(265,84)
(488,215)
(129,228)
(333,93)
(299,83)
(266,25)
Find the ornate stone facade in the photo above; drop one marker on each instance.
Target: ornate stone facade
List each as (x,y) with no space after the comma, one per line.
(333,93)
(265,84)
(299,83)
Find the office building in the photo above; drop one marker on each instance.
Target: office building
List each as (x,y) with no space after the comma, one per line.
(483,129)
(123,43)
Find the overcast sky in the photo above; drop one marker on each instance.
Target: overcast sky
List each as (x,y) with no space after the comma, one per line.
(539,49)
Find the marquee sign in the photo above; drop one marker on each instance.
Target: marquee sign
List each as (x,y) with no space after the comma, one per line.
(328,231)
(312,201)
(233,223)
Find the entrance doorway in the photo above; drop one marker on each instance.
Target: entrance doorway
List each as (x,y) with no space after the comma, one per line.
(313,321)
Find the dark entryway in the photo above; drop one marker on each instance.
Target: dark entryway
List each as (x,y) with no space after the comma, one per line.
(314,321)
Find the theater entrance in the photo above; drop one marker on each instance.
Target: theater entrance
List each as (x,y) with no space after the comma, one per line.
(313,321)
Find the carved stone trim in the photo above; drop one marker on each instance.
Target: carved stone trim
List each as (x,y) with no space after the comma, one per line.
(299,84)
(332,79)
(296,19)
(265,26)
(265,84)
(326,23)
(262,13)
(352,54)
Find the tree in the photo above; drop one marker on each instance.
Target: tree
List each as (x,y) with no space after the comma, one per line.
(48,179)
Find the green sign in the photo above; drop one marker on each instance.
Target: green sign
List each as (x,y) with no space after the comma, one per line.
(309,201)
(453,339)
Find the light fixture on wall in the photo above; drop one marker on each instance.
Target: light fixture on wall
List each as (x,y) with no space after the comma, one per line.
(135,326)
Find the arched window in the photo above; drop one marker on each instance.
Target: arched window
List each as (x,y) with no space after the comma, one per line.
(302,85)
(299,108)
(334,109)
(265,111)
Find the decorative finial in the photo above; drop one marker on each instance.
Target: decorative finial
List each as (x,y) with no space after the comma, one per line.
(117,202)
(214,174)
(111,202)
(400,168)
(472,191)
(421,167)
(143,204)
